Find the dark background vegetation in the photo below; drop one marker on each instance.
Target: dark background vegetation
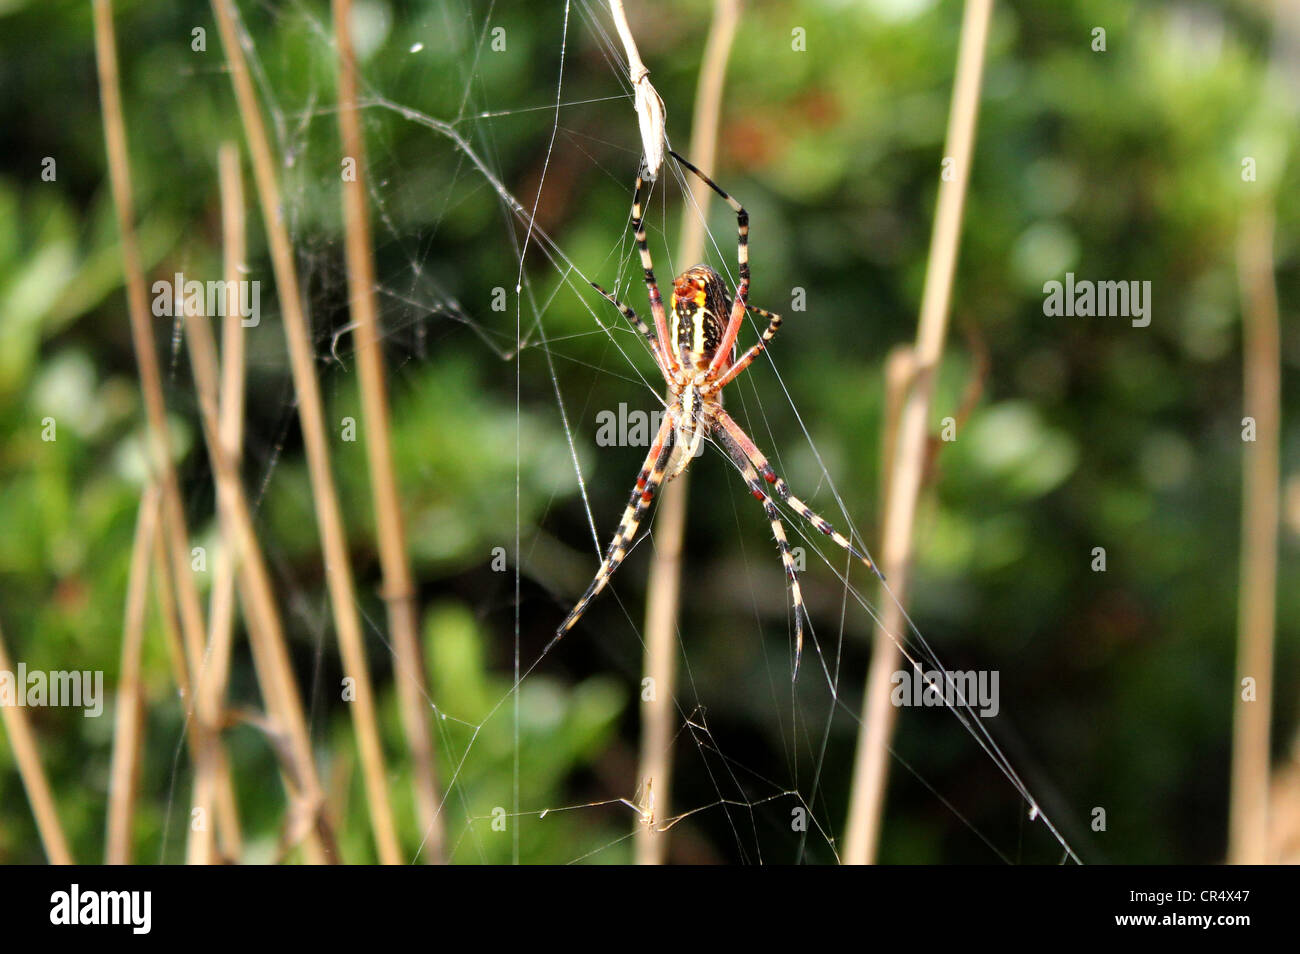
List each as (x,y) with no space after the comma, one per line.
(1116,687)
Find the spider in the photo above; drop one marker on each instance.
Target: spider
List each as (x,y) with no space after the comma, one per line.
(696,354)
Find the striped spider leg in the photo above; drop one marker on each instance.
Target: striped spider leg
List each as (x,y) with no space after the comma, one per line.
(753,466)
(647,483)
(641,329)
(664,356)
(722,349)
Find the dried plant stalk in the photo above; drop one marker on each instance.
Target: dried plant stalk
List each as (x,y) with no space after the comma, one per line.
(872,763)
(658,715)
(1248,841)
(288,725)
(399,585)
(128,711)
(221,609)
(1250,814)
(649,105)
(232,437)
(28,759)
(165,592)
(159,455)
(311,415)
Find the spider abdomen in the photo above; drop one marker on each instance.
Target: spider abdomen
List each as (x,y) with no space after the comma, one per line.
(700,309)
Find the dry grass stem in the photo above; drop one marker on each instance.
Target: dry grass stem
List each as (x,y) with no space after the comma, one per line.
(870,773)
(28,759)
(288,725)
(1248,825)
(658,715)
(399,584)
(1251,816)
(311,415)
(173,512)
(191,612)
(221,608)
(879,714)
(128,712)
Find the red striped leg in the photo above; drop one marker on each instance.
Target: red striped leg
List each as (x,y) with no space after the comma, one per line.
(652,286)
(742,255)
(647,482)
(760,493)
(752,452)
(773,326)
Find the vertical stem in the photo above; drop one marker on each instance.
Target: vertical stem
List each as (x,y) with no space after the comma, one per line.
(704,124)
(165,594)
(128,721)
(211,693)
(173,511)
(1257,605)
(191,612)
(1249,809)
(164,590)
(658,718)
(870,772)
(266,634)
(27,758)
(232,437)
(311,415)
(209,759)
(399,585)
(879,715)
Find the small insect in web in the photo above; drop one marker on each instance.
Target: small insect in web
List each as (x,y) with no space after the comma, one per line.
(694,348)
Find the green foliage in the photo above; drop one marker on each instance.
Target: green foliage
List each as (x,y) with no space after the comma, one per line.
(561,728)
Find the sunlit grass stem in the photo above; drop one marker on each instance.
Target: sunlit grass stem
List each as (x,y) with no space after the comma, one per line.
(26,753)
(663,593)
(311,416)
(129,707)
(398,584)
(871,767)
(193,630)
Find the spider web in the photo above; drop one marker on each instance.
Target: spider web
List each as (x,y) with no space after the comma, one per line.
(443,139)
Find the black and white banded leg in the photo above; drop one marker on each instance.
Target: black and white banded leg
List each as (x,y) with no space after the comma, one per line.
(746,359)
(782,489)
(647,483)
(741,301)
(757,488)
(640,327)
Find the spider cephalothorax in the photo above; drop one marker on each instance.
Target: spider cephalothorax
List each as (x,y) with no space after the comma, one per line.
(694,345)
